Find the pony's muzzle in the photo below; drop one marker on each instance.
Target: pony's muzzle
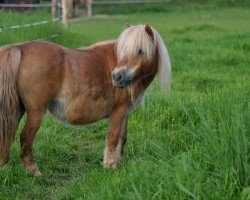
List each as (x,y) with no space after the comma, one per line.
(121,77)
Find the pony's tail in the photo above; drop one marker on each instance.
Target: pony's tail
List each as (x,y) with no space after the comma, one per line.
(9,100)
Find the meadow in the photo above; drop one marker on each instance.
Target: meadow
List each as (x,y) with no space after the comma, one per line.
(192,144)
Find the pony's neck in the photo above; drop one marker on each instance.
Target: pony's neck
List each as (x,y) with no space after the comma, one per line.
(146,81)
(105,51)
(138,88)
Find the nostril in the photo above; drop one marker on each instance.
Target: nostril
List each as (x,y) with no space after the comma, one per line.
(118,77)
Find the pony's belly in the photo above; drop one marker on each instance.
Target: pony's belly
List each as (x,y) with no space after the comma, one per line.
(80,110)
(86,113)
(85,118)
(79,114)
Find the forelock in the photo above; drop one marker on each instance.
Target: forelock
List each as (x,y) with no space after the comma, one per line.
(132,39)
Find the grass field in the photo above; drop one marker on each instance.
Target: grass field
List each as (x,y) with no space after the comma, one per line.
(195,144)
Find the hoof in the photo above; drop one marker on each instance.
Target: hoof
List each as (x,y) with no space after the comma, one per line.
(32,168)
(110,165)
(37,173)
(119,159)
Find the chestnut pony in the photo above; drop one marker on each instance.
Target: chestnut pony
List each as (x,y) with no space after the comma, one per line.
(105,80)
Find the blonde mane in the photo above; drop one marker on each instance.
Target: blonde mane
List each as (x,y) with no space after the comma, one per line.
(134,38)
(98,44)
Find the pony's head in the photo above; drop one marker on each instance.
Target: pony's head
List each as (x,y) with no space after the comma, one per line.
(141,53)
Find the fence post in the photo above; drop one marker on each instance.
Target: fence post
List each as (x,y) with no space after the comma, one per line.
(53,8)
(70,8)
(64,13)
(89,7)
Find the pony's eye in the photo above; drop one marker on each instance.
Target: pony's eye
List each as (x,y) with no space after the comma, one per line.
(140,52)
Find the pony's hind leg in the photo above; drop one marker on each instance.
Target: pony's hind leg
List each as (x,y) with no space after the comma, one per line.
(34,120)
(116,122)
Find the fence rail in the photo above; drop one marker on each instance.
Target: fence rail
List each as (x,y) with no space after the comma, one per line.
(2,28)
(129,2)
(94,3)
(2,5)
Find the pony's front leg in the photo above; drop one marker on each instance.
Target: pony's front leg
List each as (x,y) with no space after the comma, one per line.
(122,141)
(117,118)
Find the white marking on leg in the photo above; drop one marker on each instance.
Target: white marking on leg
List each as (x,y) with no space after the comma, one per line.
(37,173)
(109,160)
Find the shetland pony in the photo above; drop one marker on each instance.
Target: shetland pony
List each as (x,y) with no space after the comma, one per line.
(106,80)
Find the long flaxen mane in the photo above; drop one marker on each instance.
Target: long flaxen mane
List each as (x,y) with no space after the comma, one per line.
(134,38)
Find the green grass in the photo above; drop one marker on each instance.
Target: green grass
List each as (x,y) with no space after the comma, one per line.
(193,145)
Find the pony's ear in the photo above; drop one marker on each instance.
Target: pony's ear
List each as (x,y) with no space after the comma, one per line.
(127,25)
(149,30)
